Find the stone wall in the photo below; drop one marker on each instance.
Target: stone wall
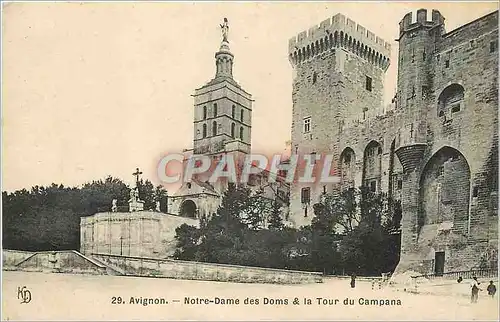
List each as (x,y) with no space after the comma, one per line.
(10,258)
(336,86)
(453,112)
(136,266)
(436,150)
(52,261)
(144,233)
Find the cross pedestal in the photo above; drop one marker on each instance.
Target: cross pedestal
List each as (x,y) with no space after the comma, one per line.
(135,205)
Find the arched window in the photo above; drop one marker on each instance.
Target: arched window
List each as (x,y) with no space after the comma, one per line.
(204,130)
(241,133)
(233,113)
(241,115)
(204,112)
(232,130)
(450,100)
(215,109)
(214,128)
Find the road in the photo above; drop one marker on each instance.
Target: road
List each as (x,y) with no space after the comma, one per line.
(83,297)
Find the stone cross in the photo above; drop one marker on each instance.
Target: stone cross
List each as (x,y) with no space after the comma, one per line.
(137,173)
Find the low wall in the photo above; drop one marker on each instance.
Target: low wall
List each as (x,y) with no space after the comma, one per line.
(53,261)
(140,233)
(10,258)
(138,266)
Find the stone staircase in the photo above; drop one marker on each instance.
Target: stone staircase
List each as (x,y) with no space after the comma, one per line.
(69,261)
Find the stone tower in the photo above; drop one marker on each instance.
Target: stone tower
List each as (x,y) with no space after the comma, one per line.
(222,127)
(416,48)
(447,143)
(339,68)
(222,110)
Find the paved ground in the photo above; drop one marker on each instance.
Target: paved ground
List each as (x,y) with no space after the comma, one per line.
(71,297)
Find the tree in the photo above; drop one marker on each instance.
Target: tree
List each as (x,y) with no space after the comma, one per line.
(371,247)
(275,220)
(343,209)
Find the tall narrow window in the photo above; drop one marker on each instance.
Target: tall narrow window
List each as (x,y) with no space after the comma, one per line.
(232,130)
(241,133)
(493,46)
(368,84)
(233,112)
(315,77)
(214,128)
(204,130)
(307,124)
(215,109)
(241,115)
(305,195)
(204,112)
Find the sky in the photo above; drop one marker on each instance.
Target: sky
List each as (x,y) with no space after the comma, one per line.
(97,89)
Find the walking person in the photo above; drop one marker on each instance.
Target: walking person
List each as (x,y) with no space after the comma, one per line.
(353,280)
(492,289)
(474,290)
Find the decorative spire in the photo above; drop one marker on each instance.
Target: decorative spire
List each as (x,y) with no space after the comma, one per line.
(224,57)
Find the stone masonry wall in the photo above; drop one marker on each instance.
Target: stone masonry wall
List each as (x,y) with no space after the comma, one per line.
(445,119)
(459,59)
(144,233)
(335,86)
(135,266)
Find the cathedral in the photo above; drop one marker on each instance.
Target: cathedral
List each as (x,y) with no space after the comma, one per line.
(222,127)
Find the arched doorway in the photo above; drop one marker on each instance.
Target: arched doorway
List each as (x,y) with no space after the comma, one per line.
(445,189)
(188,209)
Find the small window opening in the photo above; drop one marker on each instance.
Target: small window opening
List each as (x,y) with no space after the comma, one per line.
(493,47)
(475,192)
(305,196)
(368,84)
(307,125)
(315,77)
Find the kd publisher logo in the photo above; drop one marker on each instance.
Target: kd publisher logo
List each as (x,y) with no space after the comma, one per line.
(23,294)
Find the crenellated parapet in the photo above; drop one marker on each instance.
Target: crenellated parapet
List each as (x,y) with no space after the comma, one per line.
(339,32)
(408,24)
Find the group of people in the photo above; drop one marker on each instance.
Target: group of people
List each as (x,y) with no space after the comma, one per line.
(491,289)
(474,286)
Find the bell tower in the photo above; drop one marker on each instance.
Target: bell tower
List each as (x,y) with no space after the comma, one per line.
(222,109)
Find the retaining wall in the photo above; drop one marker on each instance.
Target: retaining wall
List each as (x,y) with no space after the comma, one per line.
(139,266)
